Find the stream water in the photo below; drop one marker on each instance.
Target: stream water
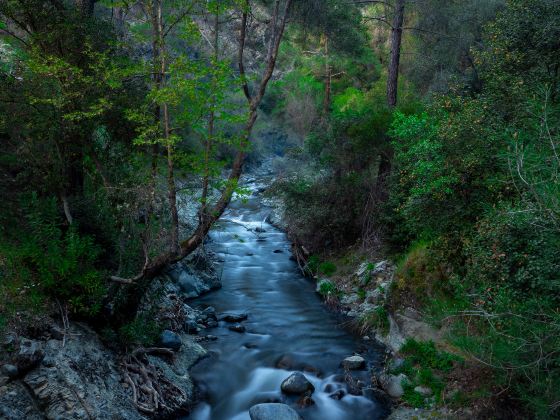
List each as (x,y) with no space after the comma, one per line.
(287,322)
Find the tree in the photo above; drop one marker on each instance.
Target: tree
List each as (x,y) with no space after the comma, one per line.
(254,96)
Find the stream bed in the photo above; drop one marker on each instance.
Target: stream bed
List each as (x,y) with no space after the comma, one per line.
(287,329)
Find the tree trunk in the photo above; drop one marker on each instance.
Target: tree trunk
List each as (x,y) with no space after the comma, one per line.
(210,136)
(189,245)
(159,41)
(328,80)
(394,61)
(385,157)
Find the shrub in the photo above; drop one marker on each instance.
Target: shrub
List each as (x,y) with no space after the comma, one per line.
(327,288)
(47,260)
(142,331)
(327,268)
(424,353)
(377,319)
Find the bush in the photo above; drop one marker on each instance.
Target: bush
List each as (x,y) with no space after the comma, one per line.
(48,261)
(424,353)
(327,268)
(327,288)
(142,331)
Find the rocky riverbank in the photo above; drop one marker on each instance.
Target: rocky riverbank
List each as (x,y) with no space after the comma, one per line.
(67,370)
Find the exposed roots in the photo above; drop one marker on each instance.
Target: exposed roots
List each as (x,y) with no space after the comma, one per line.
(151,392)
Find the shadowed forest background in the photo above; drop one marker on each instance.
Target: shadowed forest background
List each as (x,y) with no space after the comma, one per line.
(425,132)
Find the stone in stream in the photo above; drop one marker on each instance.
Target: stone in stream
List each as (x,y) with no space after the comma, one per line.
(354,363)
(237,328)
(211,323)
(234,316)
(260,230)
(170,340)
(338,395)
(277,251)
(273,411)
(191,327)
(296,383)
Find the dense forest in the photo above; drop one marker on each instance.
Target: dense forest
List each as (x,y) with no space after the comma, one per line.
(424,133)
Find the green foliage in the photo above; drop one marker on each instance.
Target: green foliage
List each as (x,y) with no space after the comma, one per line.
(425,353)
(142,331)
(478,182)
(377,319)
(46,260)
(327,288)
(421,360)
(327,268)
(413,398)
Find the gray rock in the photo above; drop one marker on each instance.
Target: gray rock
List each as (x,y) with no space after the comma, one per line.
(392,384)
(16,403)
(170,340)
(296,383)
(349,299)
(237,328)
(338,395)
(367,308)
(10,371)
(352,313)
(374,296)
(234,316)
(260,230)
(273,411)
(30,354)
(212,323)
(424,391)
(397,363)
(192,286)
(379,268)
(210,312)
(191,327)
(83,380)
(354,363)
(56,333)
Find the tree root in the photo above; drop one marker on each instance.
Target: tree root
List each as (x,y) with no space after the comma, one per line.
(152,393)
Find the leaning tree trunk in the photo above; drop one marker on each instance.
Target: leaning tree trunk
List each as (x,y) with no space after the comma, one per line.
(127,309)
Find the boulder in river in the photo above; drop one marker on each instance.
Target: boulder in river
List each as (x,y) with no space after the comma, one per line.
(234,316)
(237,328)
(296,383)
(273,411)
(337,395)
(170,340)
(354,363)
(191,327)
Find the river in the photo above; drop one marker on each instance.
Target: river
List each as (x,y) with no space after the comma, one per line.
(287,322)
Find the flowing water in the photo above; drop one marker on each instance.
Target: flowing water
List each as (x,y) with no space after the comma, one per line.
(286,321)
